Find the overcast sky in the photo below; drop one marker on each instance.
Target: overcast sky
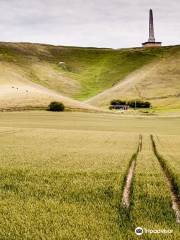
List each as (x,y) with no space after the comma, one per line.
(98,23)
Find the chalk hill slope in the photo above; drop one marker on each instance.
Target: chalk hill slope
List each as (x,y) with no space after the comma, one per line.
(157,82)
(35,74)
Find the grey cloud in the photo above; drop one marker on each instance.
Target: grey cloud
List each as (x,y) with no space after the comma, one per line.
(101,23)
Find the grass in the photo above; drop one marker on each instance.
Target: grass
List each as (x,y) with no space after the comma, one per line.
(68,188)
(62,176)
(88,71)
(90,74)
(109,70)
(169,152)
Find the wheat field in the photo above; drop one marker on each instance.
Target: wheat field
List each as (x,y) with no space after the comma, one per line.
(62,175)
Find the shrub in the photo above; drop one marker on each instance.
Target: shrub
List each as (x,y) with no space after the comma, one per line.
(131,103)
(118,102)
(139,104)
(56,107)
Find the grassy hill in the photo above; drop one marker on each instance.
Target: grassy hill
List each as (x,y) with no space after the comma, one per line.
(93,75)
(157,82)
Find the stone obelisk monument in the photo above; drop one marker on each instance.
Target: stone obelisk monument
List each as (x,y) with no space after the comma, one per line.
(151,27)
(151,41)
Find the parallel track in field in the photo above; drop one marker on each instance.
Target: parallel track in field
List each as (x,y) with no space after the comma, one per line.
(175,198)
(127,189)
(128,182)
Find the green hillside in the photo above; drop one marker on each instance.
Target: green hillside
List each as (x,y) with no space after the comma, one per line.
(82,73)
(157,82)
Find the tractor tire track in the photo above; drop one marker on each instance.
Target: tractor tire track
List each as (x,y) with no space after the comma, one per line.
(128,180)
(8,132)
(175,197)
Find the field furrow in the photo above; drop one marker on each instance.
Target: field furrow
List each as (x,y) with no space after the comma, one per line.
(130,175)
(151,196)
(168,148)
(171,179)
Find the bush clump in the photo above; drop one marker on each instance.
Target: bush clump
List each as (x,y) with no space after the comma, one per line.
(56,107)
(131,104)
(118,102)
(139,104)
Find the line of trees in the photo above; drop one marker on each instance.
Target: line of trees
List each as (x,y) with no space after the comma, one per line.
(131,103)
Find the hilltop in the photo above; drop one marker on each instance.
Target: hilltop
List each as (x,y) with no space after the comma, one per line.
(34,74)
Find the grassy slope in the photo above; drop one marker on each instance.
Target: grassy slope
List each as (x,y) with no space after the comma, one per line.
(21,88)
(106,68)
(89,71)
(95,69)
(157,82)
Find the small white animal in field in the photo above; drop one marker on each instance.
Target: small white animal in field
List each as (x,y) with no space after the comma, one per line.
(62,65)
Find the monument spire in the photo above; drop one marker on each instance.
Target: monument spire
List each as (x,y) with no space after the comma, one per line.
(151,40)
(151,27)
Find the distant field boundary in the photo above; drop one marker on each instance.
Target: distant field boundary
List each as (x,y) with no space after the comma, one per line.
(41,108)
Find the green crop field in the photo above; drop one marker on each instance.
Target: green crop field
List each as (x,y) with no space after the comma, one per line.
(62,176)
